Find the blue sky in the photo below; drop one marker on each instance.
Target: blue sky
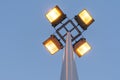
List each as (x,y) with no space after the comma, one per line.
(23,28)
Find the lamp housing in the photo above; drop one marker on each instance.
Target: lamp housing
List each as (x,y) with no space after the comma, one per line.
(55,16)
(81,47)
(84,19)
(52,44)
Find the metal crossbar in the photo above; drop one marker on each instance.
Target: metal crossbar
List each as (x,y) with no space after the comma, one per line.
(72,29)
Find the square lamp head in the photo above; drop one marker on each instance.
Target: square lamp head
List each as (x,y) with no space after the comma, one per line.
(84,19)
(52,44)
(81,47)
(55,16)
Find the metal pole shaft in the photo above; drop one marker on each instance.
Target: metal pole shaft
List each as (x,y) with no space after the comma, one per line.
(69,71)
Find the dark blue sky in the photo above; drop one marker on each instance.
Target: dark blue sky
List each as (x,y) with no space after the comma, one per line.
(23,28)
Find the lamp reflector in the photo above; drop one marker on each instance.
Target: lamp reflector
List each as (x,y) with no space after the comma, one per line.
(85,16)
(84,19)
(51,47)
(55,16)
(52,44)
(82,47)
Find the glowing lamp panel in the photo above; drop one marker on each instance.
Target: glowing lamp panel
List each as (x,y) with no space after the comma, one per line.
(51,47)
(85,17)
(84,48)
(81,48)
(52,44)
(53,14)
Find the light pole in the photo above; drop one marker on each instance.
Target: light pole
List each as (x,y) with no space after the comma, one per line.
(73,42)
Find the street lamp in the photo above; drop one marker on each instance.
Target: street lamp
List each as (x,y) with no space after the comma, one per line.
(55,16)
(72,42)
(81,47)
(52,44)
(84,19)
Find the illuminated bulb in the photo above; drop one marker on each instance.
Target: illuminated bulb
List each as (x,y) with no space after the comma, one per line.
(85,16)
(52,48)
(53,15)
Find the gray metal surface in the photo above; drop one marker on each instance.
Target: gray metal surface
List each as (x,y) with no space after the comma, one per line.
(69,71)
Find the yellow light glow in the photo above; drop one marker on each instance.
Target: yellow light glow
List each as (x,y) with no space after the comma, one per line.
(51,47)
(52,44)
(85,16)
(82,49)
(53,14)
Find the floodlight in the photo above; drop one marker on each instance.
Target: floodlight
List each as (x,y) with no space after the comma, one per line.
(81,47)
(55,16)
(52,44)
(84,19)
